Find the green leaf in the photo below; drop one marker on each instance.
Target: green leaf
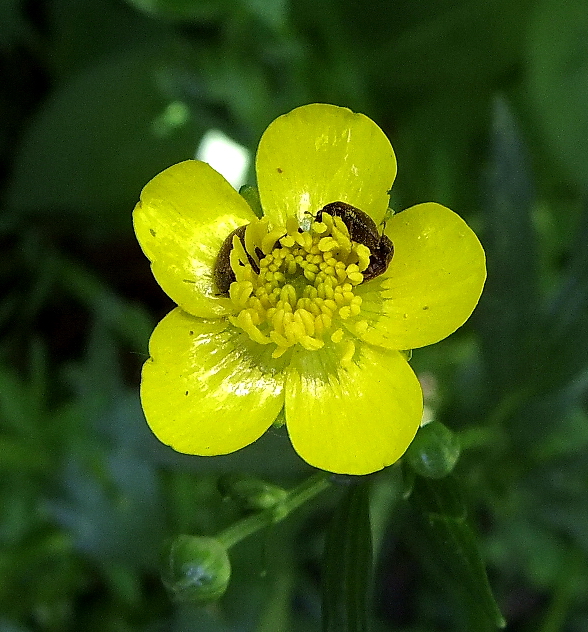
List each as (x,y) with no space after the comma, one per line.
(129,320)
(441,44)
(100,137)
(558,80)
(14,25)
(564,334)
(347,563)
(110,500)
(22,456)
(274,13)
(73,26)
(183,10)
(509,305)
(116,515)
(446,541)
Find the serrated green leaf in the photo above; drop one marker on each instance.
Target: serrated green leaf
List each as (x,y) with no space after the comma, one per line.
(445,540)
(509,305)
(347,563)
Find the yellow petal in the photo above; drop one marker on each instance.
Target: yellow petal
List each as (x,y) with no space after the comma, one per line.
(432,284)
(355,420)
(183,217)
(319,154)
(205,393)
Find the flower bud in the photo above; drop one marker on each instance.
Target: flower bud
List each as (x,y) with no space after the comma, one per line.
(196,569)
(434,451)
(251,493)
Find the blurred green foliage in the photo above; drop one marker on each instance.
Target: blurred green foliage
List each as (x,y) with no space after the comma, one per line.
(486,104)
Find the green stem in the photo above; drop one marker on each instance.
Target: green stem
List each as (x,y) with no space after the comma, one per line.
(297,496)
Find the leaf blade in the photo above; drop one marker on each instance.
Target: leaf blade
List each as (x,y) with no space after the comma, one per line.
(347,564)
(445,539)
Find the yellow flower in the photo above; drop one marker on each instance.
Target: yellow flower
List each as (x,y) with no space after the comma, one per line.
(304,310)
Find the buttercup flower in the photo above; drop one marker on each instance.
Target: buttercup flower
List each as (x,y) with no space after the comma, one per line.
(309,308)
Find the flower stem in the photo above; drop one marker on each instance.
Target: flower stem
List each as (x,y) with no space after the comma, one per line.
(297,496)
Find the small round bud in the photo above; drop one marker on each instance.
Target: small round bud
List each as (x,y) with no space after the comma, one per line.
(434,451)
(251,493)
(196,569)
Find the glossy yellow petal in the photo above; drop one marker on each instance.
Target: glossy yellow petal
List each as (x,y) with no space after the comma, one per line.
(203,391)
(183,217)
(432,284)
(319,154)
(355,420)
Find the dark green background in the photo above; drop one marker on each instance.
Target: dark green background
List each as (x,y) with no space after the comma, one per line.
(486,105)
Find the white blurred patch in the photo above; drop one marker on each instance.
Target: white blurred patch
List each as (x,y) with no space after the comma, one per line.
(225,156)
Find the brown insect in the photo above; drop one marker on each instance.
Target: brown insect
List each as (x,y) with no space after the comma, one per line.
(222,272)
(363,230)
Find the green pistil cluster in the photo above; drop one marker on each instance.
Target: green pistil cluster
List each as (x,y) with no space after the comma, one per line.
(293,286)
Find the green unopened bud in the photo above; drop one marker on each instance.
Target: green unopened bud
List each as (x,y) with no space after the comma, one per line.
(434,451)
(251,493)
(196,569)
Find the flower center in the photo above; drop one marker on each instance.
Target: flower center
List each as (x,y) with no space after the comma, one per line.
(295,286)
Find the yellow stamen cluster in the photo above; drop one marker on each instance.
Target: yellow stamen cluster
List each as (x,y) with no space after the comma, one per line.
(292,286)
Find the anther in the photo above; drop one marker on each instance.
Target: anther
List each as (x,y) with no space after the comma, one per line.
(322,266)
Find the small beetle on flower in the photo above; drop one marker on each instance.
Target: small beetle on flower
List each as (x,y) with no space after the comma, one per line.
(363,230)
(308,309)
